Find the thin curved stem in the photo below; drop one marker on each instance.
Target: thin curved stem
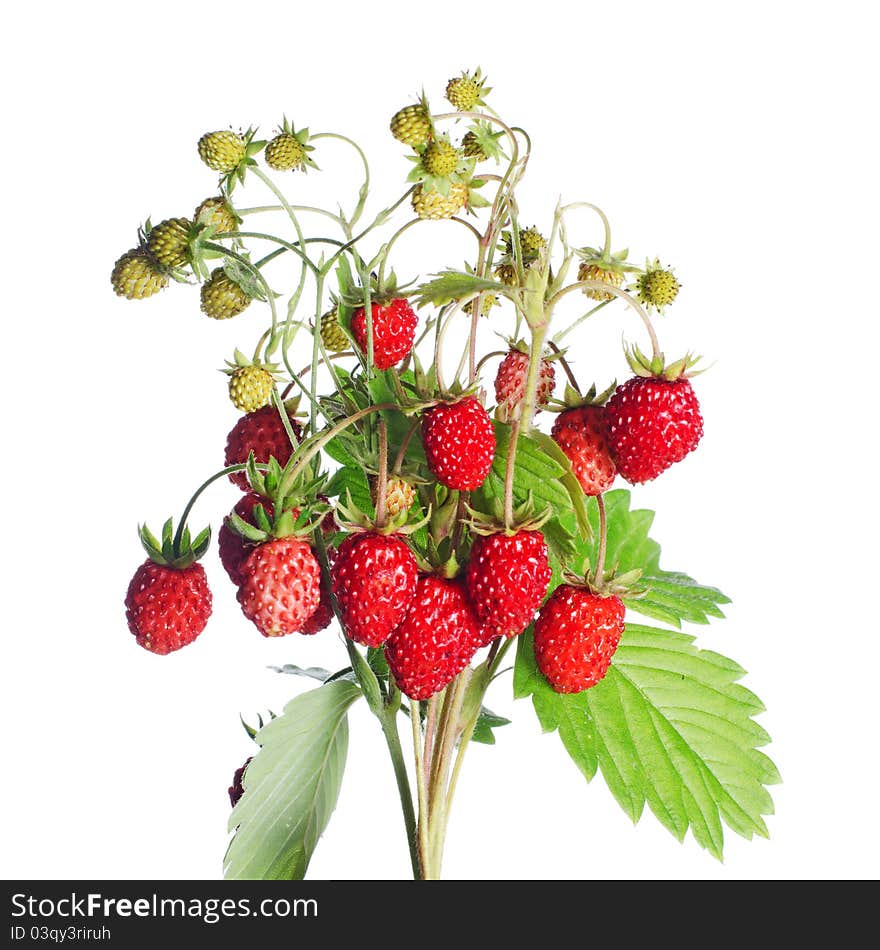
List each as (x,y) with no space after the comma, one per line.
(564,333)
(617,292)
(241,212)
(606,250)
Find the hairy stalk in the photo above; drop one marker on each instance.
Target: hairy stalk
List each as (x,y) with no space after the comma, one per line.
(423,836)
(382,477)
(603,540)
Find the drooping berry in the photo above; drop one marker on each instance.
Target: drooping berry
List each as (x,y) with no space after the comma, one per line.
(222,297)
(250,387)
(436,639)
(590,270)
(223,151)
(263,433)
(394,331)
(510,384)
(412,125)
(459,443)
(137,276)
(168,242)
(167,607)
(434,205)
(582,434)
(576,635)
(652,423)
(507,578)
(374,579)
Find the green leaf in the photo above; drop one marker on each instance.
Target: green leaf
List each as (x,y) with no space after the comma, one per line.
(291,786)
(336,449)
(486,722)
(670,726)
(312,672)
(354,481)
(454,285)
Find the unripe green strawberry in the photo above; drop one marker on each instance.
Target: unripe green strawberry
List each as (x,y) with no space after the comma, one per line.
(137,276)
(466,91)
(488,301)
(412,125)
(435,206)
(222,297)
(471,147)
(506,273)
(332,334)
(216,213)
(532,242)
(285,153)
(441,158)
(657,287)
(589,270)
(168,242)
(399,495)
(223,151)
(250,388)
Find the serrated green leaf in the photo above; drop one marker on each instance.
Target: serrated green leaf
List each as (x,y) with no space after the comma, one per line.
(291,786)
(453,285)
(336,450)
(669,726)
(354,481)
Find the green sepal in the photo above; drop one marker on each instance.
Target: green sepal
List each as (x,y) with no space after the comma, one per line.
(451,285)
(173,551)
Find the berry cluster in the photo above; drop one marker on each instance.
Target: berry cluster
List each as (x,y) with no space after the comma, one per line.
(398,501)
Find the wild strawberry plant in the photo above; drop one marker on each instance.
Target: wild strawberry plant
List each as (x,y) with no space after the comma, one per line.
(391,488)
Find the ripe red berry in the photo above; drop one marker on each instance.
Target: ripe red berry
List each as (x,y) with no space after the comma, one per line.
(576,635)
(436,640)
(459,442)
(281,587)
(394,331)
(167,607)
(374,579)
(507,578)
(263,433)
(582,435)
(510,383)
(652,422)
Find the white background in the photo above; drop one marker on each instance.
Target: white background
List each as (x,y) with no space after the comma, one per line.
(735,140)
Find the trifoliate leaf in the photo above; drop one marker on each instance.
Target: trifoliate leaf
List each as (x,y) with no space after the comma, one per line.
(291,786)
(668,725)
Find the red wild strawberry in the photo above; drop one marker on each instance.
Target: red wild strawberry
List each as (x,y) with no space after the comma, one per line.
(582,435)
(281,587)
(652,422)
(436,640)
(507,578)
(167,607)
(394,331)
(374,579)
(459,442)
(263,433)
(323,614)
(576,635)
(510,383)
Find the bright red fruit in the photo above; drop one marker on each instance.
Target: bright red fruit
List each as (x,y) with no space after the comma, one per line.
(281,586)
(436,640)
(582,435)
(507,578)
(167,607)
(576,635)
(652,422)
(510,383)
(374,579)
(394,331)
(459,442)
(263,433)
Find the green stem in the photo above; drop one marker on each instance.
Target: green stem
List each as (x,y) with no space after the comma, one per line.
(239,467)
(364,190)
(563,333)
(241,212)
(603,540)
(418,749)
(392,739)
(617,292)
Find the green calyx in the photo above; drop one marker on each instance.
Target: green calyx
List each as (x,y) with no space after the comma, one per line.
(353,519)
(609,584)
(525,518)
(251,146)
(174,550)
(438,165)
(657,286)
(575,400)
(656,366)
(289,149)
(482,143)
(468,90)
(613,262)
(296,509)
